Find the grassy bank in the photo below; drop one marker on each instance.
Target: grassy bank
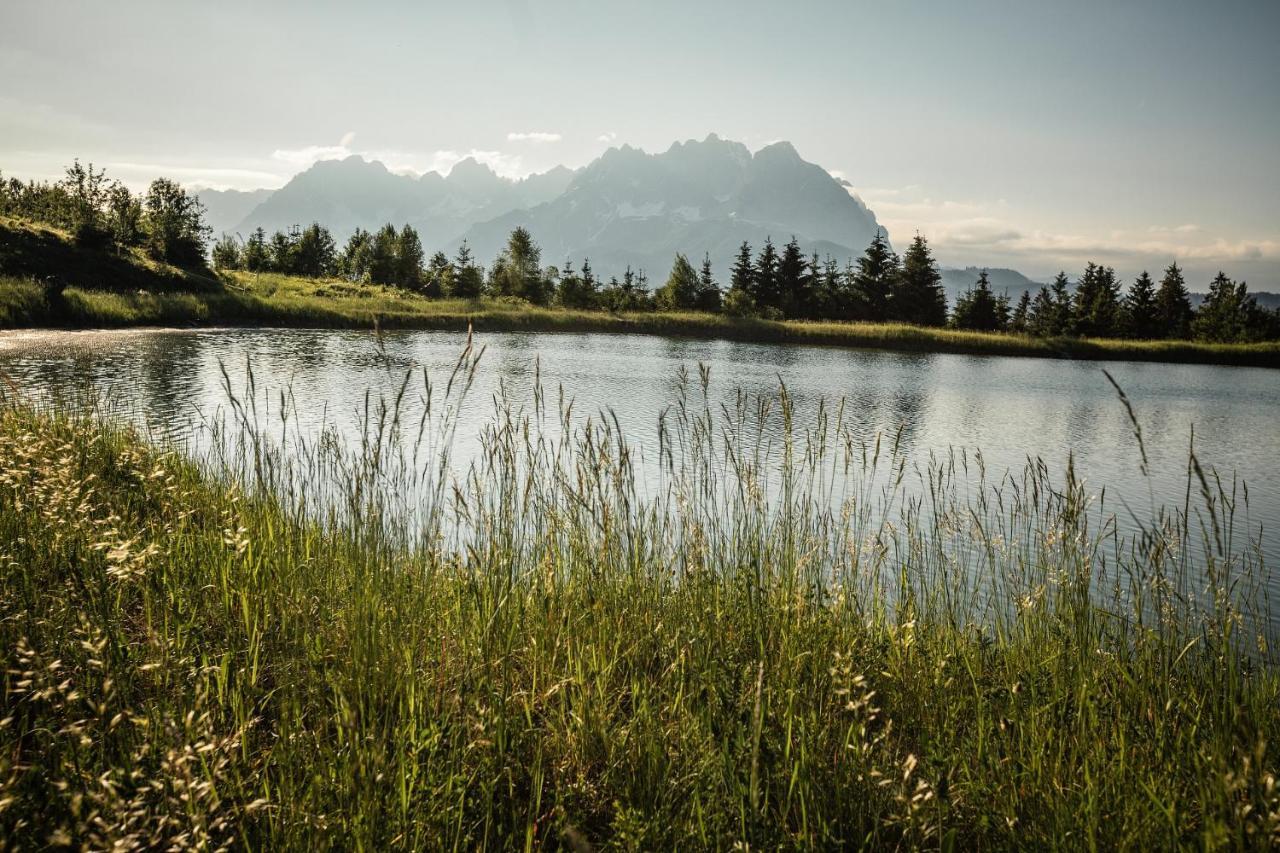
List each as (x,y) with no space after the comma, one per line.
(553,656)
(110,292)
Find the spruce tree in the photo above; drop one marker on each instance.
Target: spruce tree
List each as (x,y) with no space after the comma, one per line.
(256,257)
(1139,309)
(1223,316)
(765,289)
(1173,305)
(742,276)
(1061,323)
(467,279)
(1020,321)
(916,294)
(708,297)
(980,309)
(1043,319)
(875,278)
(1097,302)
(791,284)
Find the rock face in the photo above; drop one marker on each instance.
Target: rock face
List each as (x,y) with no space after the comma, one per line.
(638,209)
(353,193)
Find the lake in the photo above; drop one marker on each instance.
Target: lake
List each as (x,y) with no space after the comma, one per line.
(1007,410)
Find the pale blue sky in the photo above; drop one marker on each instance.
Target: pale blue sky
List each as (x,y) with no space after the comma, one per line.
(1026,134)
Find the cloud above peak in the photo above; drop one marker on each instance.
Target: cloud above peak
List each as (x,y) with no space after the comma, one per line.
(534,136)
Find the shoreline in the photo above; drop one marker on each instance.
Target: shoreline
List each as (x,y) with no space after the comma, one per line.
(97,310)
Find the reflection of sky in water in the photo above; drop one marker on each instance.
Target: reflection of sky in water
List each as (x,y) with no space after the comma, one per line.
(1009,409)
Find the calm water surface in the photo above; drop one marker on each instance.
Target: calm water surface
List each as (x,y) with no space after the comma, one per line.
(1009,409)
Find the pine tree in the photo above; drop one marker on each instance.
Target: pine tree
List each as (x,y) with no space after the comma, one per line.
(790,282)
(1173,305)
(1139,309)
(1043,319)
(875,278)
(708,297)
(1061,323)
(980,309)
(1224,314)
(1097,302)
(765,289)
(256,257)
(467,278)
(916,295)
(740,300)
(742,276)
(578,291)
(1020,321)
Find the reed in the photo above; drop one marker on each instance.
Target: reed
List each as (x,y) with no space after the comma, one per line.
(767,634)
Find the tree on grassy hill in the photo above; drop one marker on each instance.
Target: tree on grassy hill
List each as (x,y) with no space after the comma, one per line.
(174,221)
(227,254)
(916,294)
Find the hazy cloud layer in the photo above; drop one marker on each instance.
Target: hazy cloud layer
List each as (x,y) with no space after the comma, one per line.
(532,136)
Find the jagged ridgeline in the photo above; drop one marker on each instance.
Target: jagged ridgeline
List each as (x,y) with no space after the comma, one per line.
(625,208)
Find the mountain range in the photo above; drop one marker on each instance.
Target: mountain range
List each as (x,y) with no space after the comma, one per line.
(627,207)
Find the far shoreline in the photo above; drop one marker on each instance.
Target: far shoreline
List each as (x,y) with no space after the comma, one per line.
(85,309)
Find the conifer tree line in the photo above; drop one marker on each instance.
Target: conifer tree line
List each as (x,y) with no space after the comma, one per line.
(771,283)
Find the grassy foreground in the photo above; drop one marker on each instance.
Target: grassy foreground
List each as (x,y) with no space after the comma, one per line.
(108,291)
(552,656)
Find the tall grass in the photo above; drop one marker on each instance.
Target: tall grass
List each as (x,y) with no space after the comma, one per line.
(781,637)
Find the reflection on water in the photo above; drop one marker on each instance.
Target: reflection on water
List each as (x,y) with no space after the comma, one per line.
(1010,410)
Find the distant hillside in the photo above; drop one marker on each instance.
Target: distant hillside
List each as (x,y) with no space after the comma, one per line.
(348,194)
(630,207)
(957,280)
(224,209)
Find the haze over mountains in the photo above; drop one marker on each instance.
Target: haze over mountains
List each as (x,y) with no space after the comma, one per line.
(627,207)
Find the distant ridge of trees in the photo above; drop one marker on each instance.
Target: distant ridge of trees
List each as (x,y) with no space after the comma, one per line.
(167,223)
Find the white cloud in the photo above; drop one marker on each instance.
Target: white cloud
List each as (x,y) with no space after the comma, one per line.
(347,138)
(532,136)
(607,136)
(965,232)
(310,154)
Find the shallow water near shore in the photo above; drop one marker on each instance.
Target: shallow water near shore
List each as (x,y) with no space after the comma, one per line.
(992,413)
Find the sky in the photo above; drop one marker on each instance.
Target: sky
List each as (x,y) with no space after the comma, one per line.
(1035,135)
